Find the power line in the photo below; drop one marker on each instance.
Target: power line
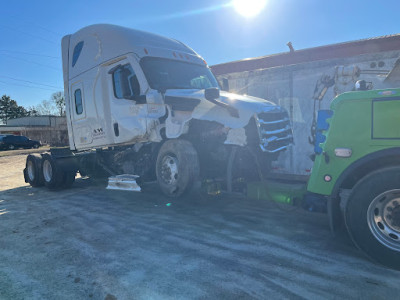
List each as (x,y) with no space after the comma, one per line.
(27,33)
(26,53)
(32,62)
(16,79)
(43,28)
(28,86)
(21,19)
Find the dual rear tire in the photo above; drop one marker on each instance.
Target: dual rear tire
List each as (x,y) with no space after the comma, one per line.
(55,177)
(44,170)
(33,171)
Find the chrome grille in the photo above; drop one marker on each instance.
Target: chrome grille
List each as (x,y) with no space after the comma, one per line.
(274,131)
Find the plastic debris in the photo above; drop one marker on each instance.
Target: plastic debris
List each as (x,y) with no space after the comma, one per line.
(124,182)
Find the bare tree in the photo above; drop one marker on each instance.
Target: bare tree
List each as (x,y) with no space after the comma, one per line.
(46,107)
(59,101)
(32,112)
(55,106)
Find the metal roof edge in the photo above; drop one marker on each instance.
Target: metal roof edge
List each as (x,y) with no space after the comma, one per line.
(325,52)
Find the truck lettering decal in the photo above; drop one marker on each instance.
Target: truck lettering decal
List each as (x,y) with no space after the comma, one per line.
(98,133)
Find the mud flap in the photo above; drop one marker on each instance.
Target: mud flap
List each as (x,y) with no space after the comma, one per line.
(336,223)
(315,203)
(25,175)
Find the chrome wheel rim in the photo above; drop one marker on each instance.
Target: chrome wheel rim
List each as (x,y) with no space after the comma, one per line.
(11,147)
(47,170)
(31,170)
(169,169)
(383,217)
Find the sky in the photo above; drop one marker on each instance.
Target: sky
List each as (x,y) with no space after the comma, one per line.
(31,31)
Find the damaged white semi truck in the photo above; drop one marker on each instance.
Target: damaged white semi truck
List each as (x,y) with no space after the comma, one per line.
(145,105)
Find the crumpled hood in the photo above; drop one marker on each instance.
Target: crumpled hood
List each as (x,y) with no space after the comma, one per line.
(240,102)
(203,109)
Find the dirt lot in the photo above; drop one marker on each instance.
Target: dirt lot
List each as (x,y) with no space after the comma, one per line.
(88,242)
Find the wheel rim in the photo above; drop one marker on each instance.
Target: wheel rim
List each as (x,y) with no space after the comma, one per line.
(11,147)
(169,169)
(35,146)
(47,170)
(383,217)
(31,170)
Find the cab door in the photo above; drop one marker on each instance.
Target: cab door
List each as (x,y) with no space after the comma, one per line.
(78,109)
(127,106)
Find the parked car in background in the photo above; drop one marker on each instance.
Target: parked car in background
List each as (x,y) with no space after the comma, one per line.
(11,142)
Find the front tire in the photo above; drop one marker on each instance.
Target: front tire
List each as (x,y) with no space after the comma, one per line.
(11,147)
(177,167)
(372,216)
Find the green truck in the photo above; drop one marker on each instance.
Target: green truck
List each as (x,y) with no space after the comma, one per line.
(357,170)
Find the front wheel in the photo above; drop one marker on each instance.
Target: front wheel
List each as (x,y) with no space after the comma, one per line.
(177,167)
(372,216)
(11,147)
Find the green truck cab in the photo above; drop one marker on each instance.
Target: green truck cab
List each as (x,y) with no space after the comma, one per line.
(357,170)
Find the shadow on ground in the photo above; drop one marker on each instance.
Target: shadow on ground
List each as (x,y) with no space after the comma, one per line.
(88,242)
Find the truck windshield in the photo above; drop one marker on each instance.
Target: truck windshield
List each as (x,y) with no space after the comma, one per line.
(163,74)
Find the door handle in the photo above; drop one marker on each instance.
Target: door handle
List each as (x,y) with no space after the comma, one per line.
(116,129)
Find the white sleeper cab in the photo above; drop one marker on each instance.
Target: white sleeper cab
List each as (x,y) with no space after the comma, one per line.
(146,105)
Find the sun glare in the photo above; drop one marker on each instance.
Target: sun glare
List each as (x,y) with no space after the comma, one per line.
(249,8)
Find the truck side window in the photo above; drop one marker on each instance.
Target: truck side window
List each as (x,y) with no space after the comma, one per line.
(125,82)
(76,53)
(78,101)
(200,82)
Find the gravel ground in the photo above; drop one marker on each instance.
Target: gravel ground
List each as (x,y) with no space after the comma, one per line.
(91,243)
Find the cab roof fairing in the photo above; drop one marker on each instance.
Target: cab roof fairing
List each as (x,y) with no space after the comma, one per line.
(104,42)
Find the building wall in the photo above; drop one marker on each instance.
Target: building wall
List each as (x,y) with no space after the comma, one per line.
(52,137)
(38,121)
(51,130)
(292,87)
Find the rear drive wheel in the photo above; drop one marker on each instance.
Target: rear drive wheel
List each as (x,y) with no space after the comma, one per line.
(33,170)
(177,167)
(52,175)
(372,216)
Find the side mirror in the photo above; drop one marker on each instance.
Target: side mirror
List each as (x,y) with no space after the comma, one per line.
(211,93)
